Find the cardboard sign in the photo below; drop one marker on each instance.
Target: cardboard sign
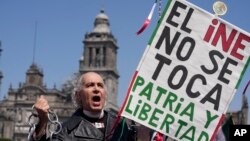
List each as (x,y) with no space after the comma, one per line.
(188,74)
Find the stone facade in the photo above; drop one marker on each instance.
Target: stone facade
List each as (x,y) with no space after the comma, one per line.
(17,106)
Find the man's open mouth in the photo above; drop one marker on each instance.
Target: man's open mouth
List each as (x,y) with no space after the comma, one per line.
(96,98)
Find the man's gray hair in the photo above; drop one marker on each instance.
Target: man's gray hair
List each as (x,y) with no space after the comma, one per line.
(77,87)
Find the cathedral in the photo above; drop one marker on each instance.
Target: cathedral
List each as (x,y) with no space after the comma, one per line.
(99,55)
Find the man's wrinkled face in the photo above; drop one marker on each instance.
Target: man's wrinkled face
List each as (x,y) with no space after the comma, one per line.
(92,93)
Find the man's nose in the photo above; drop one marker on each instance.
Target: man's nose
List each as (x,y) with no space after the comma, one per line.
(96,88)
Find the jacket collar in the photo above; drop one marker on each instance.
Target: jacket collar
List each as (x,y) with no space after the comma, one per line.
(77,122)
(83,128)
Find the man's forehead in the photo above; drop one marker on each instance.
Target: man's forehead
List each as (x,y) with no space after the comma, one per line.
(92,77)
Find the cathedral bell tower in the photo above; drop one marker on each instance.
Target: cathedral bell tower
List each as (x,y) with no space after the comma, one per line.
(34,76)
(100,51)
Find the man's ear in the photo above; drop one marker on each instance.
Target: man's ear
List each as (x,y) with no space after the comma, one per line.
(77,94)
(77,97)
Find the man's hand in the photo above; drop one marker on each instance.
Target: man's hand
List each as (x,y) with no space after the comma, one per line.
(42,108)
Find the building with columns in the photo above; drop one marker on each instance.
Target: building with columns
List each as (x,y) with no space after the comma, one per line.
(99,55)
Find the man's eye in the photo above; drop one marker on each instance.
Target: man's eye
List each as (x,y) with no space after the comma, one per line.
(89,85)
(101,85)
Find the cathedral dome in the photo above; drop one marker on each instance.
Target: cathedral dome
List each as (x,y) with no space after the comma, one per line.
(101,23)
(102,15)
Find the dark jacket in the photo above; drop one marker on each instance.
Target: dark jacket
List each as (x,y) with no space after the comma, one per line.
(77,128)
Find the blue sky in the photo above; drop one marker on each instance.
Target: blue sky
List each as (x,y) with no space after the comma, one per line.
(61,25)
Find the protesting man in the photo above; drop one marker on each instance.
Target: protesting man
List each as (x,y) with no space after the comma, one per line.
(90,122)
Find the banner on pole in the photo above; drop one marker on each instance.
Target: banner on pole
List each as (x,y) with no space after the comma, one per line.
(188,73)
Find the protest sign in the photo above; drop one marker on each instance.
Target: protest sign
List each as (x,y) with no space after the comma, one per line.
(188,73)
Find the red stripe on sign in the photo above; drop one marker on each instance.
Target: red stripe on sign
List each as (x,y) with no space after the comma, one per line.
(217,127)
